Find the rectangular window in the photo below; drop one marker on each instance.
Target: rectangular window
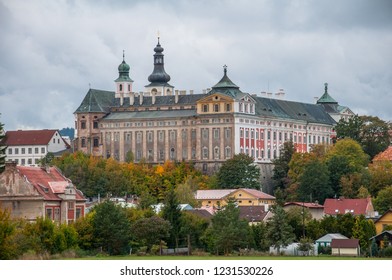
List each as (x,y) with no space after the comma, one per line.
(78,212)
(49,213)
(160,136)
(36,150)
(149,136)
(83,124)
(96,142)
(23,162)
(57,214)
(269,135)
(193,135)
(228,133)
(205,133)
(161,155)
(228,108)
(216,133)
(95,124)
(10,151)
(42,150)
(128,137)
(216,107)
(172,135)
(83,144)
(205,108)
(23,151)
(29,161)
(16,151)
(139,137)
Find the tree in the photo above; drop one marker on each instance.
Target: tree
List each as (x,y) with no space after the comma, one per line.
(280,233)
(338,166)
(111,228)
(383,201)
(227,232)
(239,171)
(171,212)
(281,165)
(370,132)
(352,151)
(7,229)
(193,226)
(259,233)
(2,148)
(298,217)
(363,230)
(314,182)
(381,176)
(150,231)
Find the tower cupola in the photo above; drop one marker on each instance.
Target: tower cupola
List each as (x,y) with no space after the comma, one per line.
(123,82)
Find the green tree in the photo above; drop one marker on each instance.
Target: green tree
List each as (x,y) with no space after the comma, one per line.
(185,192)
(150,231)
(370,132)
(239,171)
(345,224)
(227,232)
(259,234)
(2,148)
(363,230)
(281,165)
(194,227)
(171,212)
(280,233)
(7,230)
(383,201)
(305,245)
(313,229)
(85,230)
(111,228)
(338,166)
(314,182)
(298,218)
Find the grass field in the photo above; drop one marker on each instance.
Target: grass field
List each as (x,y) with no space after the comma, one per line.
(229,258)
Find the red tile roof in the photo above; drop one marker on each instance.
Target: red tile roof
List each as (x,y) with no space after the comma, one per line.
(222,193)
(310,205)
(385,155)
(344,243)
(29,137)
(48,184)
(252,213)
(357,206)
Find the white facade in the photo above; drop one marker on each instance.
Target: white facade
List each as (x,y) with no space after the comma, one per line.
(29,155)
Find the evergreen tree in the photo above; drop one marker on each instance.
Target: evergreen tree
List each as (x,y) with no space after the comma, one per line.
(111,228)
(280,233)
(171,212)
(227,232)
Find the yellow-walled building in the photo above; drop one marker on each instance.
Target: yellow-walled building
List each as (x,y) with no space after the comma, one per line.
(243,197)
(384,221)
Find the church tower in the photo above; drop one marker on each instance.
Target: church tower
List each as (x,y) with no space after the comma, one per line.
(123,82)
(159,78)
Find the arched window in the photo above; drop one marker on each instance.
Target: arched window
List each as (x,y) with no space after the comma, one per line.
(120,87)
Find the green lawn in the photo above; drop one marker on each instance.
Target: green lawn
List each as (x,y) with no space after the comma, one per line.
(227,258)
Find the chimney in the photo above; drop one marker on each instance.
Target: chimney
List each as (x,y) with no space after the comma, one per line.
(176,97)
(141,98)
(191,91)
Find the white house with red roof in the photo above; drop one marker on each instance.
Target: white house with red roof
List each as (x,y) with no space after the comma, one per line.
(31,192)
(354,206)
(27,147)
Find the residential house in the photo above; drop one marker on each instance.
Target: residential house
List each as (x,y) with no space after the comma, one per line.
(28,147)
(383,221)
(356,206)
(345,247)
(315,209)
(326,240)
(201,213)
(243,197)
(31,192)
(254,214)
(384,239)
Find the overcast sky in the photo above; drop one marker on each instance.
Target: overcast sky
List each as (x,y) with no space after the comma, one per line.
(51,52)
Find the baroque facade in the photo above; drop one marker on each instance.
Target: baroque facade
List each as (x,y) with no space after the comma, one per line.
(163,123)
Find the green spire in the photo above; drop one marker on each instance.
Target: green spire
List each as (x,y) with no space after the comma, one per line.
(326,98)
(123,71)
